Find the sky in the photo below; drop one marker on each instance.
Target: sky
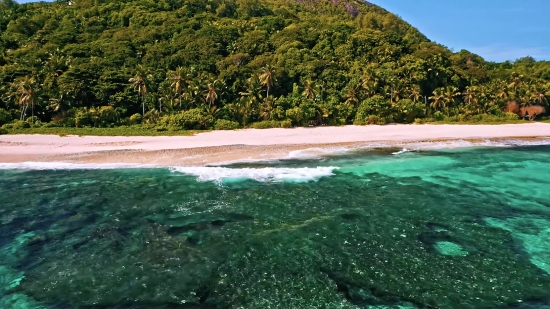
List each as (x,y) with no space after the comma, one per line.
(497,30)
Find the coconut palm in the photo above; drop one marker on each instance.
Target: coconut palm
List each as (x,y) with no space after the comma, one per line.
(352,95)
(539,95)
(253,89)
(26,93)
(178,78)
(414,93)
(309,89)
(438,99)
(503,92)
(139,82)
(450,95)
(470,95)
(166,95)
(211,94)
(397,92)
(267,78)
(266,108)
(59,104)
(516,81)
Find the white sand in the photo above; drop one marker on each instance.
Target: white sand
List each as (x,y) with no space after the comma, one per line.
(19,148)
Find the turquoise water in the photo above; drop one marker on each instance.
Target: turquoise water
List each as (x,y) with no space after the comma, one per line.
(463,228)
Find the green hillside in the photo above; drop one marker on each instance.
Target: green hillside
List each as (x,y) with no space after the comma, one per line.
(195,64)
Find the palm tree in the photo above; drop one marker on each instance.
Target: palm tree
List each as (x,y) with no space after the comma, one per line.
(58,104)
(25,92)
(267,79)
(539,95)
(438,99)
(503,93)
(469,95)
(396,92)
(166,95)
(211,94)
(450,94)
(253,89)
(139,82)
(414,93)
(178,80)
(352,95)
(516,81)
(309,89)
(266,108)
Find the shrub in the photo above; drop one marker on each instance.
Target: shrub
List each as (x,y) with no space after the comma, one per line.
(376,105)
(3,131)
(510,116)
(406,110)
(512,107)
(5,116)
(34,121)
(82,118)
(438,116)
(20,124)
(268,124)
(7,126)
(193,119)
(135,119)
(531,111)
(222,124)
(50,125)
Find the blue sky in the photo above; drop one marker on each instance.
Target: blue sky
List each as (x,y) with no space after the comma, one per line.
(498,30)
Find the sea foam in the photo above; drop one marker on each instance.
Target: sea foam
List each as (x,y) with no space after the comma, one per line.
(266,174)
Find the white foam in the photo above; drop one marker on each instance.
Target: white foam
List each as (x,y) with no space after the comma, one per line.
(69,166)
(316,153)
(458,143)
(404,150)
(266,174)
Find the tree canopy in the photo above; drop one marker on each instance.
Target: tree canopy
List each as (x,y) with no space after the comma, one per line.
(192,64)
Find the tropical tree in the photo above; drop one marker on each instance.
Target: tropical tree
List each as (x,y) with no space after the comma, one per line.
(469,95)
(438,99)
(178,78)
(140,82)
(210,93)
(414,93)
(539,95)
(352,95)
(309,89)
(450,95)
(267,78)
(59,104)
(25,90)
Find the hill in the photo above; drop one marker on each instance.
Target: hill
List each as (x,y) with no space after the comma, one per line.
(198,64)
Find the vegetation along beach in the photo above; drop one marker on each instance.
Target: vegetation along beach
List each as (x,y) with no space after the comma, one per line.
(265,154)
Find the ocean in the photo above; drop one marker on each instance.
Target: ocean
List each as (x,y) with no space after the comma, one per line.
(365,228)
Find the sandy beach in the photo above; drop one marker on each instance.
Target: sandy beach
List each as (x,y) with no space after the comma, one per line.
(245,145)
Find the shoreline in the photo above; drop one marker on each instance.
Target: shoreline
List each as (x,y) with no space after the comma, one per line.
(223,147)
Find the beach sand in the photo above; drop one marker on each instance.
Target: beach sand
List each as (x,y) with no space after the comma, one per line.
(219,147)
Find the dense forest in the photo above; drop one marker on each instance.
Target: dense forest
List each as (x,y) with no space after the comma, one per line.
(225,64)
